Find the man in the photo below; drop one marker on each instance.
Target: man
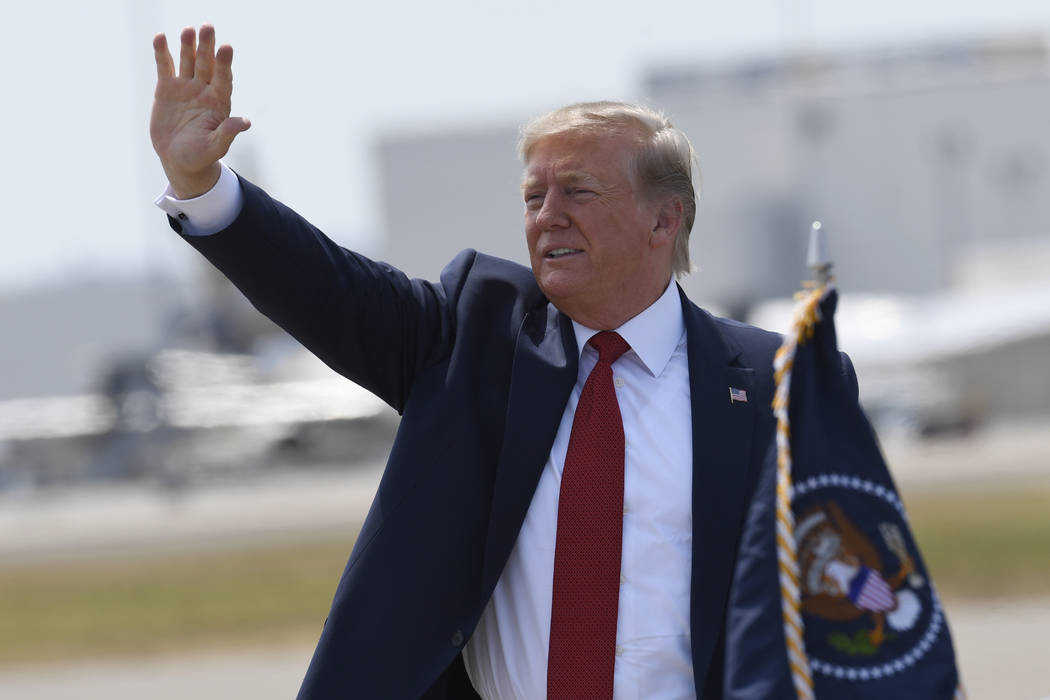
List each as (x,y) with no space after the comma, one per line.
(561,510)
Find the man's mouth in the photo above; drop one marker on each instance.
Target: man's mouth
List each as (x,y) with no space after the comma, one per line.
(561,252)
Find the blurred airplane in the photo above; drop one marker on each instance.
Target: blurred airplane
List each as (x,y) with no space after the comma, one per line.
(179,414)
(944,362)
(228,394)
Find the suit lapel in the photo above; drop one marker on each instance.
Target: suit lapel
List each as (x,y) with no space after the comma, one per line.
(542,377)
(721,450)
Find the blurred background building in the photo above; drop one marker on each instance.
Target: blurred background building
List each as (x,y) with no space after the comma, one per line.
(929,165)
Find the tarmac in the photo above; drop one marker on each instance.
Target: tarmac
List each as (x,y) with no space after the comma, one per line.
(1001,645)
(139,519)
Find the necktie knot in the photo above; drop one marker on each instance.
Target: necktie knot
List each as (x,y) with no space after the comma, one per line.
(610,346)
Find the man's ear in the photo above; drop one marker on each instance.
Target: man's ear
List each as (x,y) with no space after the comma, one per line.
(668,221)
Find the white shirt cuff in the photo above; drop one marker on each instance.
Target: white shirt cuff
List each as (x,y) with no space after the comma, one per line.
(209,213)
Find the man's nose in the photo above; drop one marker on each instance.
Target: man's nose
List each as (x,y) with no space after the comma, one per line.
(552,213)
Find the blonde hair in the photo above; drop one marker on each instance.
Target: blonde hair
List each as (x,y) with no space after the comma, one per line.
(662,165)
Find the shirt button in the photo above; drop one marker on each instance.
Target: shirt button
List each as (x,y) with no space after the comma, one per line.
(618,381)
(623,580)
(182,216)
(457,638)
(619,650)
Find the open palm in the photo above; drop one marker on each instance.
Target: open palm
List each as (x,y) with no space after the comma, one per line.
(190,126)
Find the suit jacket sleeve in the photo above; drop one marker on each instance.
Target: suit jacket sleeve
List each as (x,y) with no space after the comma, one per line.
(365,319)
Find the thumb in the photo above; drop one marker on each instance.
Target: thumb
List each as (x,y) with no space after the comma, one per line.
(228,131)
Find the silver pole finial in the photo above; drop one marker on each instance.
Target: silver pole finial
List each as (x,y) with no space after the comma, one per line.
(818,258)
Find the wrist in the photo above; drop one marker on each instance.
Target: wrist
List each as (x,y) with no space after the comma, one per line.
(194,185)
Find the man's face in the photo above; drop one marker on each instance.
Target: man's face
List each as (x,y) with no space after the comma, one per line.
(590,231)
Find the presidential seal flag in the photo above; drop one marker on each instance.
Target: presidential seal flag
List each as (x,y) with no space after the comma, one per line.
(830,597)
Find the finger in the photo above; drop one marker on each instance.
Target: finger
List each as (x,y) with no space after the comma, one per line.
(186,52)
(223,79)
(205,65)
(165,64)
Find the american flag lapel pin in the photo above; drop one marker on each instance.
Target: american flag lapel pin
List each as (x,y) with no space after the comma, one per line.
(737,395)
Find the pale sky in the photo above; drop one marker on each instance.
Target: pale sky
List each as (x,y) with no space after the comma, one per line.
(321,81)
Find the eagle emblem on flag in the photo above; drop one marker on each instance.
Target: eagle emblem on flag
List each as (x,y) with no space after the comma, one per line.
(866,590)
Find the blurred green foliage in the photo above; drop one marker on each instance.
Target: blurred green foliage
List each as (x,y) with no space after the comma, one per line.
(982,541)
(118,606)
(977,542)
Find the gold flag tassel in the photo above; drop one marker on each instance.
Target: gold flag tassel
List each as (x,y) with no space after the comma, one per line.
(806,317)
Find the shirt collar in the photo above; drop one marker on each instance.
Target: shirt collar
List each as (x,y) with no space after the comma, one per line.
(653,334)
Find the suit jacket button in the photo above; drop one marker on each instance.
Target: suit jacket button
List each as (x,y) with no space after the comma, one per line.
(457,638)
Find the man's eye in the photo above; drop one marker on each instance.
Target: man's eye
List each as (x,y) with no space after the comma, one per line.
(533,199)
(580,191)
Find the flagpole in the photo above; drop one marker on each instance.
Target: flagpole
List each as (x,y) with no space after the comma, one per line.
(806,316)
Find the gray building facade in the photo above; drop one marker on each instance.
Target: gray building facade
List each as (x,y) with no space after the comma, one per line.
(912,158)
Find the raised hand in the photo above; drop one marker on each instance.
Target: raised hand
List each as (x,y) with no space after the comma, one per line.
(191,127)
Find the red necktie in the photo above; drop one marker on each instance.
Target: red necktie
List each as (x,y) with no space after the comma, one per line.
(590,534)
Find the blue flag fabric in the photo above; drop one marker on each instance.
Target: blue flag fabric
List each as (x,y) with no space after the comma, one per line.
(872,624)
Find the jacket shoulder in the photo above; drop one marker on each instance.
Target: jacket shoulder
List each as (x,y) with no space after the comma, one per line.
(474,278)
(755,344)
(483,267)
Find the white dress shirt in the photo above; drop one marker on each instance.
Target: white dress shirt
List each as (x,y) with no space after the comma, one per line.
(211,212)
(506,657)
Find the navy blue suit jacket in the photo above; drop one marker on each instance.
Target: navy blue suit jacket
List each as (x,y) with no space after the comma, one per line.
(480,366)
